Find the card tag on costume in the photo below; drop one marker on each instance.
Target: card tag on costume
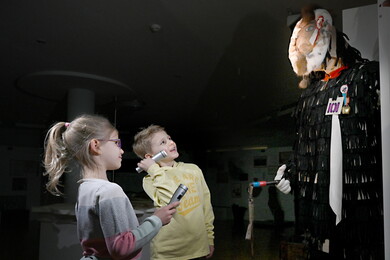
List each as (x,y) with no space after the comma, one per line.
(334,106)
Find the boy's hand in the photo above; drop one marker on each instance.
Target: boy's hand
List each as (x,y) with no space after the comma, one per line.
(146,163)
(165,213)
(211,252)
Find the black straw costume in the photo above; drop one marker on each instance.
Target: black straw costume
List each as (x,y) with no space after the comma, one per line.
(359,235)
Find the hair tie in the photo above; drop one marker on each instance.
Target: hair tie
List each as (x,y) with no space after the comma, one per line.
(67,124)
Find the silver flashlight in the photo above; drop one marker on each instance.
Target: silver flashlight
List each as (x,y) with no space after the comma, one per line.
(179,193)
(157,157)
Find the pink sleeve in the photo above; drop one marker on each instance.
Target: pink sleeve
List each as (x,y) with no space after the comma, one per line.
(121,246)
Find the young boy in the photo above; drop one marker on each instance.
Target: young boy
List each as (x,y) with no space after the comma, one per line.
(191,232)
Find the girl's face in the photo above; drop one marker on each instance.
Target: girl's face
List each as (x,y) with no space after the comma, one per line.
(111,152)
(162,141)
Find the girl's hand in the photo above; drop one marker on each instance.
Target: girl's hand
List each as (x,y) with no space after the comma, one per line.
(166,213)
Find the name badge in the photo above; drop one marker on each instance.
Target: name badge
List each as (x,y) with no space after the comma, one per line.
(334,106)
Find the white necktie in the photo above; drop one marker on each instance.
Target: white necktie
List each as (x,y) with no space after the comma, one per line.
(336,169)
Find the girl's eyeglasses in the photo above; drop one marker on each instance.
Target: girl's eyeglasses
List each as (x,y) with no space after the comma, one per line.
(116,141)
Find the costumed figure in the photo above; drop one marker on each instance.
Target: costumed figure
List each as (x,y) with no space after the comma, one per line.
(336,174)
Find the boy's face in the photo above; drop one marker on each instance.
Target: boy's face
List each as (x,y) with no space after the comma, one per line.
(162,141)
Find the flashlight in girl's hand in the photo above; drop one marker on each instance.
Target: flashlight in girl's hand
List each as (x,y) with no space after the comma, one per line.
(157,157)
(179,193)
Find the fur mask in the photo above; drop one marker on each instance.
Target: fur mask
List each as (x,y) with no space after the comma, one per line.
(311,41)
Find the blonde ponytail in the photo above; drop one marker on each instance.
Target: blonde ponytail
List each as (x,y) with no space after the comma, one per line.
(56,157)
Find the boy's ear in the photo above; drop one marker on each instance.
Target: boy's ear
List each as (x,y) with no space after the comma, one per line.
(94,147)
(148,155)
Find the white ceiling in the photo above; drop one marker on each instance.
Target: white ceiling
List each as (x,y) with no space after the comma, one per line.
(216,67)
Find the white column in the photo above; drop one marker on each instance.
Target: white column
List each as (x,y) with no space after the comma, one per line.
(384,63)
(80,101)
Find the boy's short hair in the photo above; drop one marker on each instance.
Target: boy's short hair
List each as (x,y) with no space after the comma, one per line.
(142,145)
